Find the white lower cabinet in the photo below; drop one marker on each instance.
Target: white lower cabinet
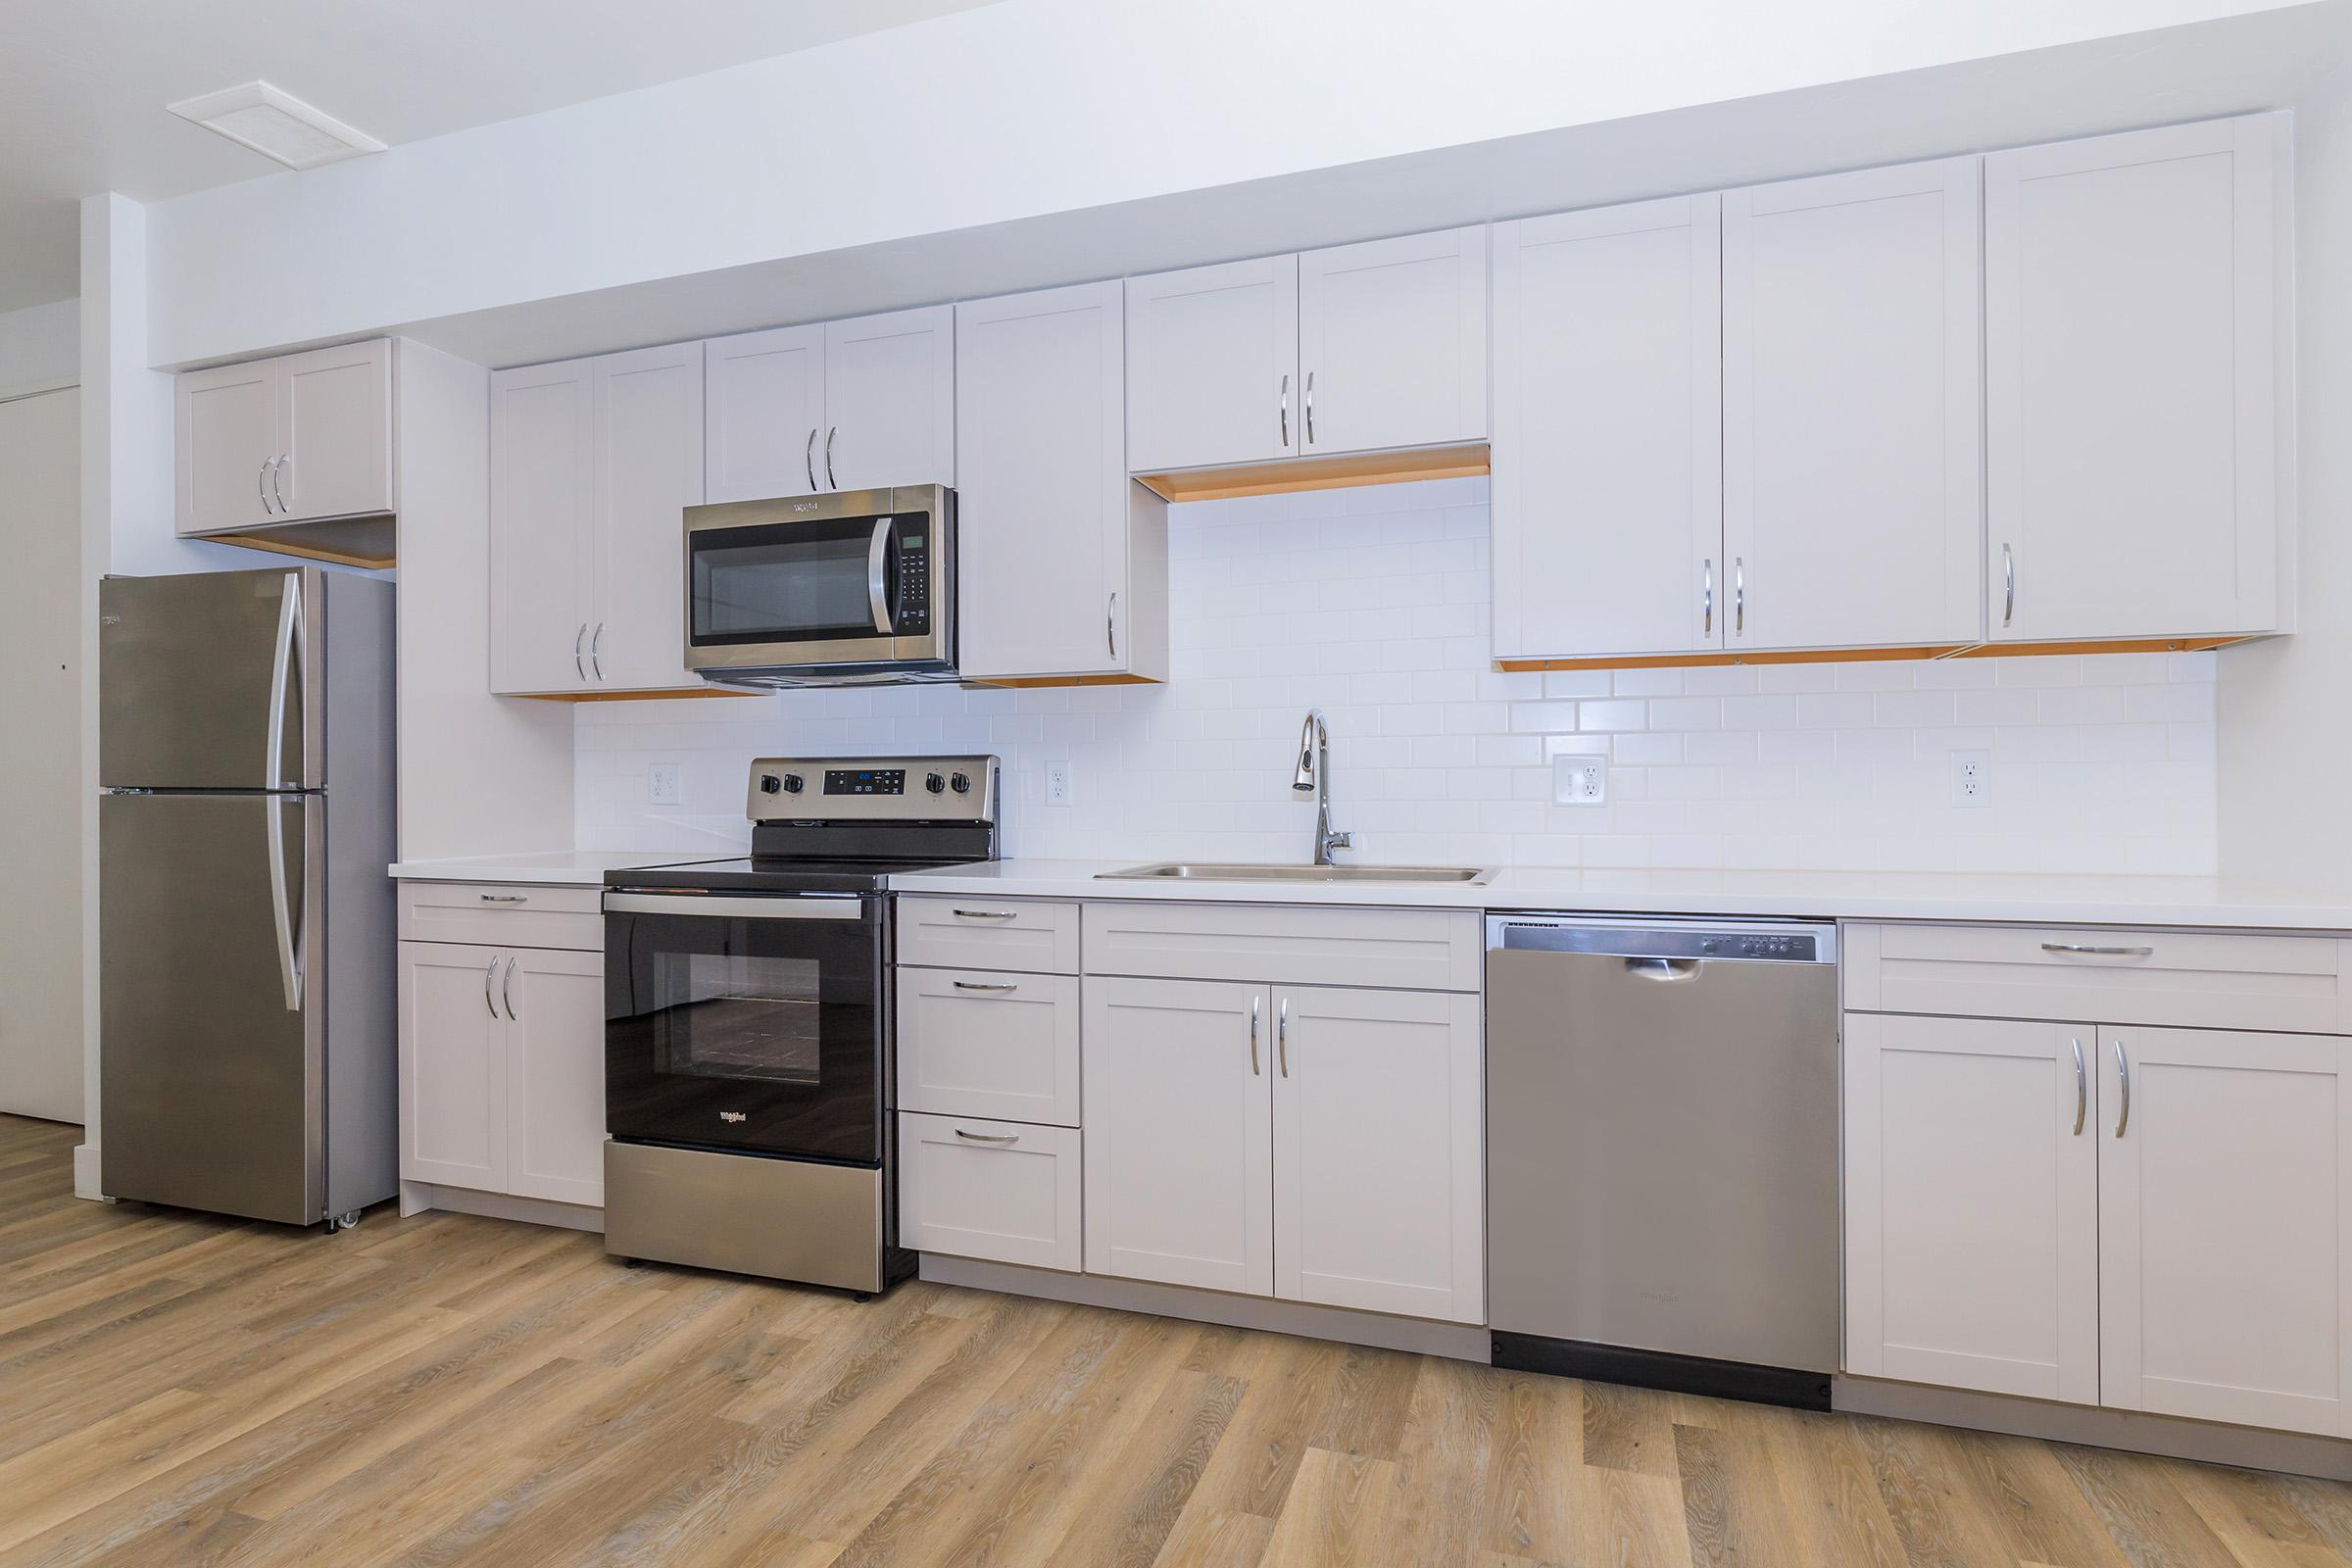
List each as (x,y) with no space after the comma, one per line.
(998,1190)
(453,1078)
(976,1043)
(555,1050)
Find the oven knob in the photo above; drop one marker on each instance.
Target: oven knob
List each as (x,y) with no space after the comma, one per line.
(769,784)
(935,783)
(961,783)
(792,783)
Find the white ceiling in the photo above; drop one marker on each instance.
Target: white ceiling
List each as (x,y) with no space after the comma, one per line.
(84,83)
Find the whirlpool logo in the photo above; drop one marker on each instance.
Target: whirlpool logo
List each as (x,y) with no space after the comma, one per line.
(730,1115)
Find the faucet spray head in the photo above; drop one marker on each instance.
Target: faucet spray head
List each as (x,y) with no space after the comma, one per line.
(1305,780)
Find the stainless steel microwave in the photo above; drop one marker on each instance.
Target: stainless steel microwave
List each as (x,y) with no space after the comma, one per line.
(858,587)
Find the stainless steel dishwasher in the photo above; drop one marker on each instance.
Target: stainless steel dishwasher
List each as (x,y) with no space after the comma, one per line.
(1662,1152)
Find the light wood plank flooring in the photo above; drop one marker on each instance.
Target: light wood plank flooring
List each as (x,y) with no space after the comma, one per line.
(181,1389)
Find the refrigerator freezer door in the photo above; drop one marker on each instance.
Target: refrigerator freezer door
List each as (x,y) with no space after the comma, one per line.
(210,681)
(211,1082)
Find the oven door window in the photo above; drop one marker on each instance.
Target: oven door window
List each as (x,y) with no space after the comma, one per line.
(794,582)
(754,1034)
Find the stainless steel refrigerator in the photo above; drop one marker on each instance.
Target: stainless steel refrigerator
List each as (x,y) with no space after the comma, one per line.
(247,1009)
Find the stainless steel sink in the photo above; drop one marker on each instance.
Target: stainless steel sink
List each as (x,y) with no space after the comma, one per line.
(1191,871)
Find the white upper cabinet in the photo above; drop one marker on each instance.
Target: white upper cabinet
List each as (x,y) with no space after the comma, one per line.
(1851,409)
(542,526)
(1212,366)
(765,414)
(890,401)
(2136,292)
(1063,559)
(649,468)
(1607,490)
(2223,1215)
(1392,342)
(291,439)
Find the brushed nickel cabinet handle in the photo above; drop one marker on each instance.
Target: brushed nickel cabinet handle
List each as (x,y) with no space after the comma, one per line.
(490,975)
(1253,1071)
(277,471)
(260,484)
(596,650)
(984,985)
(2009,585)
(1282,1037)
(1285,410)
(983,914)
(989,1138)
(505,898)
(808,458)
(1310,408)
(1111,625)
(2123,1073)
(1706,600)
(505,989)
(1739,596)
(2097,951)
(831,483)
(2081,1090)
(579,661)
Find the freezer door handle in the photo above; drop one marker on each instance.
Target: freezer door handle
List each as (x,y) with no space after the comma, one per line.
(284,912)
(283,669)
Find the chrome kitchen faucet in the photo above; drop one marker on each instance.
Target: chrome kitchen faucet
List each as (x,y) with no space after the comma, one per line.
(1315,774)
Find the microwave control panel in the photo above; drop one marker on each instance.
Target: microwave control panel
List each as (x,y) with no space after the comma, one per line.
(914,575)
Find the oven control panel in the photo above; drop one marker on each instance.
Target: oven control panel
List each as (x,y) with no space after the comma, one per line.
(866,781)
(873,789)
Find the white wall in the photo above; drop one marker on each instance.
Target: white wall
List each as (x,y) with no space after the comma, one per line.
(2287,748)
(40,347)
(1040,106)
(1372,604)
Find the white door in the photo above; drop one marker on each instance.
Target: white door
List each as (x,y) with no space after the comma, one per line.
(334,430)
(1972,1193)
(1607,491)
(225,424)
(1392,342)
(41,778)
(649,468)
(1379,1151)
(454,1042)
(542,526)
(1179,1138)
(1852,409)
(764,396)
(1212,366)
(2135,294)
(2223,1225)
(890,401)
(1043,511)
(555,1075)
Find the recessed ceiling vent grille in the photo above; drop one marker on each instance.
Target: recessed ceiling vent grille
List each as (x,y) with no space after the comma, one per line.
(276,124)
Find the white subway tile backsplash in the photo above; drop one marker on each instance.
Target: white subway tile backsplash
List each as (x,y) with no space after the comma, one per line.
(1373,603)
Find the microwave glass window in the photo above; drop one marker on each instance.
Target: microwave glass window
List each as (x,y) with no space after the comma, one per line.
(735,1015)
(781,589)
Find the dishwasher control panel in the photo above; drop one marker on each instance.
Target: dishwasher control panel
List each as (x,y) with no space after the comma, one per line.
(1758,941)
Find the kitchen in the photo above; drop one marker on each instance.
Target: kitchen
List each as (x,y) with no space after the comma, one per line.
(1592,817)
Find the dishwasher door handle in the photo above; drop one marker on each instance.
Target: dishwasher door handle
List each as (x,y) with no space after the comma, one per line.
(1664,969)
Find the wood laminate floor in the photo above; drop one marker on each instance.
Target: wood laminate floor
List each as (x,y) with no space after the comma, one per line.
(176,1389)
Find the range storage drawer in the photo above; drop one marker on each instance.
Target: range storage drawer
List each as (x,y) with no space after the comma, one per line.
(999,1190)
(502,915)
(1033,935)
(1396,950)
(2189,979)
(989,1043)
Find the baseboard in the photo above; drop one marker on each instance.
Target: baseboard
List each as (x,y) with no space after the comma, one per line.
(417,1197)
(2173,1437)
(1459,1341)
(86,1171)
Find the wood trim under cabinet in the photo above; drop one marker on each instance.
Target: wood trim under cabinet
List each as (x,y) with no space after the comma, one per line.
(1863,656)
(1291,475)
(375,560)
(664,695)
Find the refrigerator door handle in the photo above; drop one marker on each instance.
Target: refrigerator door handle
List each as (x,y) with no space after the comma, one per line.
(281,669)
(282,909)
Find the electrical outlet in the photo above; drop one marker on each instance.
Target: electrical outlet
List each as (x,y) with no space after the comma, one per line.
(665,784)
(1059,789)
(1972,779)
(1581,780)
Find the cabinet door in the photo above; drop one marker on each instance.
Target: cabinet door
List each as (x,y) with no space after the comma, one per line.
(334,430)
(1179,1138)
(1852,410)
(542,527)
(1379,1153)
(2133,296)
(225,426)
(1608,516)
(647,469)
(1212,366)
(1392,342)
(765,396)
(1063,559)
(2222,1204)
(890,401)
(555,1075)
(452,1066)
(1972,1191)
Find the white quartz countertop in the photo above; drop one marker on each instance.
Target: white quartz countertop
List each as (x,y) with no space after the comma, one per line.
(567,867)
(2157,900)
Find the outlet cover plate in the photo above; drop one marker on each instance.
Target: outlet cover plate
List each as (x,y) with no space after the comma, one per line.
(665,784)
(1581,779)
(1972,779)
(1060,790)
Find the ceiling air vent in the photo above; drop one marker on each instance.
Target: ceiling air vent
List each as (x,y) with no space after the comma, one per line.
(276,124)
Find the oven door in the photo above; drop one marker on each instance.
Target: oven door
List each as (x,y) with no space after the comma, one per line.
(750,1022)
(847,579)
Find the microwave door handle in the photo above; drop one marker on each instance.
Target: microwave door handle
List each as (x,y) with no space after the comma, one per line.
(876,594)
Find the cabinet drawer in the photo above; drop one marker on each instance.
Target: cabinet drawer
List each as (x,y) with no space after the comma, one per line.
(989,1043)
(499,915)
(1397,950)
(1031,935)
(998,1190)
(2189,979)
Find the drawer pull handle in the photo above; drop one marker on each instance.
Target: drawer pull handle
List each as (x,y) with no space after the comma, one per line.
(2097,951)
(983,914)
(989,1138)
(986,985)
(505,897)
